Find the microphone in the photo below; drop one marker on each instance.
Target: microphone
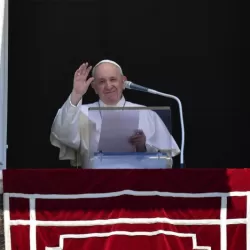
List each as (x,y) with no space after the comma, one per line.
(130,85)
(133,86)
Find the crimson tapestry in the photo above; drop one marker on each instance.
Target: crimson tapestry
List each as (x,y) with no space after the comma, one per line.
(174,209)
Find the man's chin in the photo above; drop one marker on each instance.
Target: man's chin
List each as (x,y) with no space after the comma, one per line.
(110,93)
(111,96)
(112,99)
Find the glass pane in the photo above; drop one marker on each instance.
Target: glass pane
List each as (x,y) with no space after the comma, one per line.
(110,131)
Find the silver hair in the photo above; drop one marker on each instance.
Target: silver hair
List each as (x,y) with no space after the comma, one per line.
(107,61)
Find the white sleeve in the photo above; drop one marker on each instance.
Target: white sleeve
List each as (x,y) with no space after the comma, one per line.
(163,139)
(65,130)
(158,136)
(151,148)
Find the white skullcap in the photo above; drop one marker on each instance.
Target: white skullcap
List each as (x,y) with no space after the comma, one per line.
(107,61)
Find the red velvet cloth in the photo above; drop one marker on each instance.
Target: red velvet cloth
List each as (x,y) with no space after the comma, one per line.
(139,219)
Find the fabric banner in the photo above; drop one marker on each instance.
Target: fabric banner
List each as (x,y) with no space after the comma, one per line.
(174,209)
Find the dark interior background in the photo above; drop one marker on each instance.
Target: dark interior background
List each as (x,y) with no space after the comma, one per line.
(187,48)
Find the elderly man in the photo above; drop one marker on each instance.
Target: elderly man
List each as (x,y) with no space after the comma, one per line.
(70,129)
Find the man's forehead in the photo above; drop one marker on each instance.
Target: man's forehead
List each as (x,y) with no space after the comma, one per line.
(106,76)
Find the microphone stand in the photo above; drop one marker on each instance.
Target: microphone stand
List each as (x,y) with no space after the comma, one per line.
(131,85)
(151,91)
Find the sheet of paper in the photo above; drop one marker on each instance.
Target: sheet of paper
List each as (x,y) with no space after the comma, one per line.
(117,127)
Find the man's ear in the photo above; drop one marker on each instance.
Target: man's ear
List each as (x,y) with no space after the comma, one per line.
(92,83)
(124,80)
(93,86)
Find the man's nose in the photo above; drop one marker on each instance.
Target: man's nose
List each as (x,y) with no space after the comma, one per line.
(108,84)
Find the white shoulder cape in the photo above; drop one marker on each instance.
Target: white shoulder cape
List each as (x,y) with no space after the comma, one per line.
(70,131)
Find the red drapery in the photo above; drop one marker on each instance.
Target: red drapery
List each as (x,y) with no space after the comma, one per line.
(206,209)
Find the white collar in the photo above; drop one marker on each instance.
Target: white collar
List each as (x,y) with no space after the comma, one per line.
(121,103)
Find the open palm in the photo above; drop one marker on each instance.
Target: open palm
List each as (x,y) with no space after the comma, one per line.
(81,84)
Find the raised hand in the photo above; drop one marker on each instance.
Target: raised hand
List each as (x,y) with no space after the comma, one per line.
(81,83)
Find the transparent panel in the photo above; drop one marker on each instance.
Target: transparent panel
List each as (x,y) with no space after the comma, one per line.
(130,137)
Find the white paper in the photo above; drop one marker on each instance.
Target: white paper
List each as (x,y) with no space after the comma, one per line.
(117,127)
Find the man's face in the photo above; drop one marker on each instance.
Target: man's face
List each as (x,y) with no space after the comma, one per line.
(108,83)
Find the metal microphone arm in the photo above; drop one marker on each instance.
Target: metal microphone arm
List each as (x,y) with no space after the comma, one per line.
(181,119)
(137,87)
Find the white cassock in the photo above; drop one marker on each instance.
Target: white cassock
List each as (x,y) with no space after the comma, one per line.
(70,131)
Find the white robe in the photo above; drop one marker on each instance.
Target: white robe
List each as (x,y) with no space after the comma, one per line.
(70,131)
